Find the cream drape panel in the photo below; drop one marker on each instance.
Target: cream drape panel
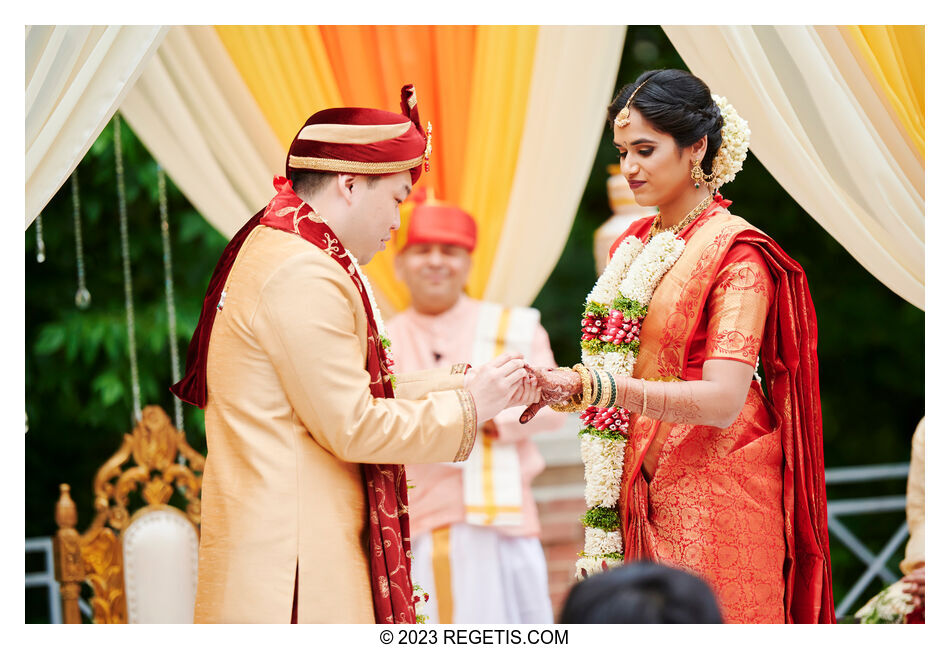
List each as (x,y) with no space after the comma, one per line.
(826,137)
(575,69)
(193,112)
(76,77)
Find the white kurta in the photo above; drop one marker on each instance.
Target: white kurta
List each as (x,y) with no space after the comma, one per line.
(494,572)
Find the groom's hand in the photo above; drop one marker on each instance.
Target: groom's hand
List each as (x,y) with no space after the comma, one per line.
(528,392)
(495,384)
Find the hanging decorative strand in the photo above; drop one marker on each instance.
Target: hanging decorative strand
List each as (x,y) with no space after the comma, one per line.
(40,244)
(169,293)
(126,269)
(82,294)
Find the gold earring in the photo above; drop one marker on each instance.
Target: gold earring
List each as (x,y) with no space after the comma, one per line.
(696,173)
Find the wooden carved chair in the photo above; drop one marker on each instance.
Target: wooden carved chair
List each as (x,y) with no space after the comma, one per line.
(142,565)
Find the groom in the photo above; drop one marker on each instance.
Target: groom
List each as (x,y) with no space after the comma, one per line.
(304,494)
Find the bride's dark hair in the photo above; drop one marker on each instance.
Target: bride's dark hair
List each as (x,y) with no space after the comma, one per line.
(678,103)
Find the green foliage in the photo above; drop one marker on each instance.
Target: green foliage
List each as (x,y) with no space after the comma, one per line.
(600,347)
(631,309)
(604,518)
(609,555)
(603,434)
(78,392)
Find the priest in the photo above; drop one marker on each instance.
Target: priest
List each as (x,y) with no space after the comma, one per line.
(475,528)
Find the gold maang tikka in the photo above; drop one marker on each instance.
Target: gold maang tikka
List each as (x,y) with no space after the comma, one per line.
(623,117)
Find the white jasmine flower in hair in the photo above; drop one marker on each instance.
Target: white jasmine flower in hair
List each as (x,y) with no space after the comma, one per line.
(735,144)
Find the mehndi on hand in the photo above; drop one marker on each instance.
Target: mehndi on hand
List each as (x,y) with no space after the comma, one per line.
(557,386)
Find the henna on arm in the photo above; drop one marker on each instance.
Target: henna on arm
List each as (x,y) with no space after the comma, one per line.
(715,400)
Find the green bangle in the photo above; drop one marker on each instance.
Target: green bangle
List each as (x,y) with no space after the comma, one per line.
(613,390)
(598,391)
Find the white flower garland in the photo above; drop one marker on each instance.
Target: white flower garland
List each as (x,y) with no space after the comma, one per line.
(622,295)
(603,461)
(377,316)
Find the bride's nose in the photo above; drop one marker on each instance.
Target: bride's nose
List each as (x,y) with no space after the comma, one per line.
(628,169)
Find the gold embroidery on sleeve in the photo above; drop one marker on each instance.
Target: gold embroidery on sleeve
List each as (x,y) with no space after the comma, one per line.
(468,424)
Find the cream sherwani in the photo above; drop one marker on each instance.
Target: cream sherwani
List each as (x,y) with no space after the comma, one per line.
(289,420)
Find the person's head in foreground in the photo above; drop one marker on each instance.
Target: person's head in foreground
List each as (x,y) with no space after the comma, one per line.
(668,128)
(641,593)
(435,261)
(354,166)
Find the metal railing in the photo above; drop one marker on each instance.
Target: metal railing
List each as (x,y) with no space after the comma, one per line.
(46,578)
(876,564)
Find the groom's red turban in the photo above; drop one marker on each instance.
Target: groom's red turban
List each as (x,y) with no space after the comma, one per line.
(363,141)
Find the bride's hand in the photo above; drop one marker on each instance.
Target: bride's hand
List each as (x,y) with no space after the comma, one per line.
(555,386)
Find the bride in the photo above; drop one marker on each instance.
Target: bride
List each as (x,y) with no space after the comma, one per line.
(690,458)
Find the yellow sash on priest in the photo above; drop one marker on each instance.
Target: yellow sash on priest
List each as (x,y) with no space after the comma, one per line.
(491,476)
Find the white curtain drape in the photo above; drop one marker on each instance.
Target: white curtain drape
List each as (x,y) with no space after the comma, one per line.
(826,137)
(76,77)
(575,70)
(194,113)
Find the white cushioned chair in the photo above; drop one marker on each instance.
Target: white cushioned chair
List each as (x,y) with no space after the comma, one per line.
(142,566)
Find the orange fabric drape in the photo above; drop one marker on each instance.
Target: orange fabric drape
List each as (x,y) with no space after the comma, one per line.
(472,83)
(440,63)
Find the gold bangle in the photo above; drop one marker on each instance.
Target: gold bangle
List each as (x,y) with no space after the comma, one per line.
(586,384)
(577,402)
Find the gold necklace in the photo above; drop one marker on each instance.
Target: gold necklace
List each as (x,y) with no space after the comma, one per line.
(675,229)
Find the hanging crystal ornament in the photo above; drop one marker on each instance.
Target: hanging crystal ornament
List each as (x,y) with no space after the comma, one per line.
(169,293)
(82,293)
(40,244)
(126,268)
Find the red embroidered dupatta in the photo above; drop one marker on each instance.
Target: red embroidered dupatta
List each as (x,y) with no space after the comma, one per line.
(789,357)
(386,489)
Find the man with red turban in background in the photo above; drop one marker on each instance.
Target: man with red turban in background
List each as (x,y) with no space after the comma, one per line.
(304,494)
(474,524)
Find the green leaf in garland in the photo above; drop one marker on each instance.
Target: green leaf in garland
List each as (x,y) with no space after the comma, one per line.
(603,434)
(596,309)
(631,309)
(604,518)
(601,347)
(610,555)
